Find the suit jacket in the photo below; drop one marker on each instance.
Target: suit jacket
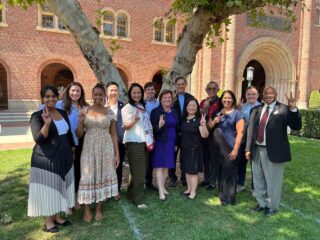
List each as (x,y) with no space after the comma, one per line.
(176,105)
(47,146)
(160,134)
(277,143)
(119,129)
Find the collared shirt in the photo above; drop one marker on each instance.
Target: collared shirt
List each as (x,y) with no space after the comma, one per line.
(181,99)
(150,105)
(114,108)
(271,107)
(246,108)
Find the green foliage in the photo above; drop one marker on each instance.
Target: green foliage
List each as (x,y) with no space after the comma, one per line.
(25,4)
(310,124)
(114,46)
(314,101)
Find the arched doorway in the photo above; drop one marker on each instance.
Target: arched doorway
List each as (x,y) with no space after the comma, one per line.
(124,77)
(157,79)
(277,61)
(56,74)
(3,88)
(259,78)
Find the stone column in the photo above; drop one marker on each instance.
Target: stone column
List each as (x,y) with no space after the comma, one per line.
(230,54)
(305,40)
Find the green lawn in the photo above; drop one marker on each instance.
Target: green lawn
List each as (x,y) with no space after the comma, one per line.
(177,218)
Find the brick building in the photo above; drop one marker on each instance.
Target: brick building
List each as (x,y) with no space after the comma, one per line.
(35,49)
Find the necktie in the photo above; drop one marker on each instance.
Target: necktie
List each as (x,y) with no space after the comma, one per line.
(262,125)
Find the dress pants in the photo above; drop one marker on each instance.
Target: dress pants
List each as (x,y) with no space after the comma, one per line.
(172,171)
(122,152)
(210,166)
(267,179)
(137,158)
(149,174)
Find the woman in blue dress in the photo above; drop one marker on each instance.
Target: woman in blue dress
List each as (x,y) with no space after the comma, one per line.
(164,122)
(228,134)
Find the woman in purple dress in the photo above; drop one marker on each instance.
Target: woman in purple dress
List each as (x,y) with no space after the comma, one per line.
(164,122)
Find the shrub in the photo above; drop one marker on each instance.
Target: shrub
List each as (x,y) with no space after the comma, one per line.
(310,124)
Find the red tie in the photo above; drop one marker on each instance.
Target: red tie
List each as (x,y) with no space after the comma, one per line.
(262,125)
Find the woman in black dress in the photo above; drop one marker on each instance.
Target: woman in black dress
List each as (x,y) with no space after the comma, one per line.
(193,128)
(51,189)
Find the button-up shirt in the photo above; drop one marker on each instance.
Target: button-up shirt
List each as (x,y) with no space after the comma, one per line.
(150,105)
(181,99)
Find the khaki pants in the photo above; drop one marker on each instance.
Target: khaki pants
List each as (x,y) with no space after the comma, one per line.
(267,179)
(137,158)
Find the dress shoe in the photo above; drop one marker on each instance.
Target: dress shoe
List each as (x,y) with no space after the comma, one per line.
(185,194)
(211,187)
(269,212)
(258,208)
(64,224)
(51,230)
(203,184)
(173,183)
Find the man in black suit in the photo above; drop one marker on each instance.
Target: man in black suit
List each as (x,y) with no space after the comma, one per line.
(116,106)
(268,147)
(179,106)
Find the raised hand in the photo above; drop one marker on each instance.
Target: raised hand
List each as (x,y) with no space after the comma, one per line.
(292,101)
(217,118)
(240,103)
(46,117)
(161,121)
(203,121)
(206,103)
(82,114)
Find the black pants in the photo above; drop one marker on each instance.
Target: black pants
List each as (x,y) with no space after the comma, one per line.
(210,166)
(172,171)
(149,173)
(242,170)
(76,164)
(122,151)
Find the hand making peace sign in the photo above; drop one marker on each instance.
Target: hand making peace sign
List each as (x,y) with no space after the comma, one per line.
(292,101)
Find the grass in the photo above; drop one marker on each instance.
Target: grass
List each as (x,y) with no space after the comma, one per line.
(177,218)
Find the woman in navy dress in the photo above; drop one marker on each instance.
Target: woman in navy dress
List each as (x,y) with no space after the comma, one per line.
(193,128)
(227,140)
(164,122)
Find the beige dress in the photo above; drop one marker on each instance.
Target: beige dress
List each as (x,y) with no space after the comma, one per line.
(98,172)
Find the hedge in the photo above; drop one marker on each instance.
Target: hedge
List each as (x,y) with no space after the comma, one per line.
(310,124)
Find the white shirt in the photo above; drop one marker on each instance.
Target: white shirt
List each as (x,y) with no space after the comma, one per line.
(114,108)
(62,126)
(136,133)
(271,107)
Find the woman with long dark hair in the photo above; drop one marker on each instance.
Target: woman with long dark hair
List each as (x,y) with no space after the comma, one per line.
(193,128)
(51,189)
(228,134)
(138,138)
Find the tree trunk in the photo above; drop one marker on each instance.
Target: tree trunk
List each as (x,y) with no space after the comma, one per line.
(87,38)
(191,40)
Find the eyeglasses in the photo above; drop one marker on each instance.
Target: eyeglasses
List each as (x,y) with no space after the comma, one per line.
(212,89)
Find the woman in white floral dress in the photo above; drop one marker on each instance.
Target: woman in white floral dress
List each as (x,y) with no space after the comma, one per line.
(100,155)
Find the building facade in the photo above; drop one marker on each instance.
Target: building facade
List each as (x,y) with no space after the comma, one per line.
(36,49)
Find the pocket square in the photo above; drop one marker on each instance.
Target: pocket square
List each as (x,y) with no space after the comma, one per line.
(276,112)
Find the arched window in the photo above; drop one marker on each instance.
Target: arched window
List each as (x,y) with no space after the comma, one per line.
(170,32)
(317,22)
(108,24)
(158,30)
(122,25)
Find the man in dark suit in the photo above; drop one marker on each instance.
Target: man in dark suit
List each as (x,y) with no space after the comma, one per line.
(116,106)
(179,105)
(268,147)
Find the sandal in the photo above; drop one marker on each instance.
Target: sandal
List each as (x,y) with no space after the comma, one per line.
(51,230)
(64,224)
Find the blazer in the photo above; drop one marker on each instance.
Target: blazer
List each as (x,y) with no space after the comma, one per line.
(160,134)
(176,105)
(119,129)
(47,146)
(277,143)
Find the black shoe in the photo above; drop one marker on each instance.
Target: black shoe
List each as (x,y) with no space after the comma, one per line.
(211,187)
(51,230)
(258,208)
(64,224)
(184,183)
(173,183)
(151,187)
(185,194)
(203,184)
(269,212)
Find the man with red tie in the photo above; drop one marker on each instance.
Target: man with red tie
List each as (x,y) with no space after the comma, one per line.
(268,147)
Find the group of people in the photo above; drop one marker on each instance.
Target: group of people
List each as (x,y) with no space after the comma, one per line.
(80,148)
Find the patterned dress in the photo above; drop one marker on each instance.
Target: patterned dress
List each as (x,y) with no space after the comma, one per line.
(98,172)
